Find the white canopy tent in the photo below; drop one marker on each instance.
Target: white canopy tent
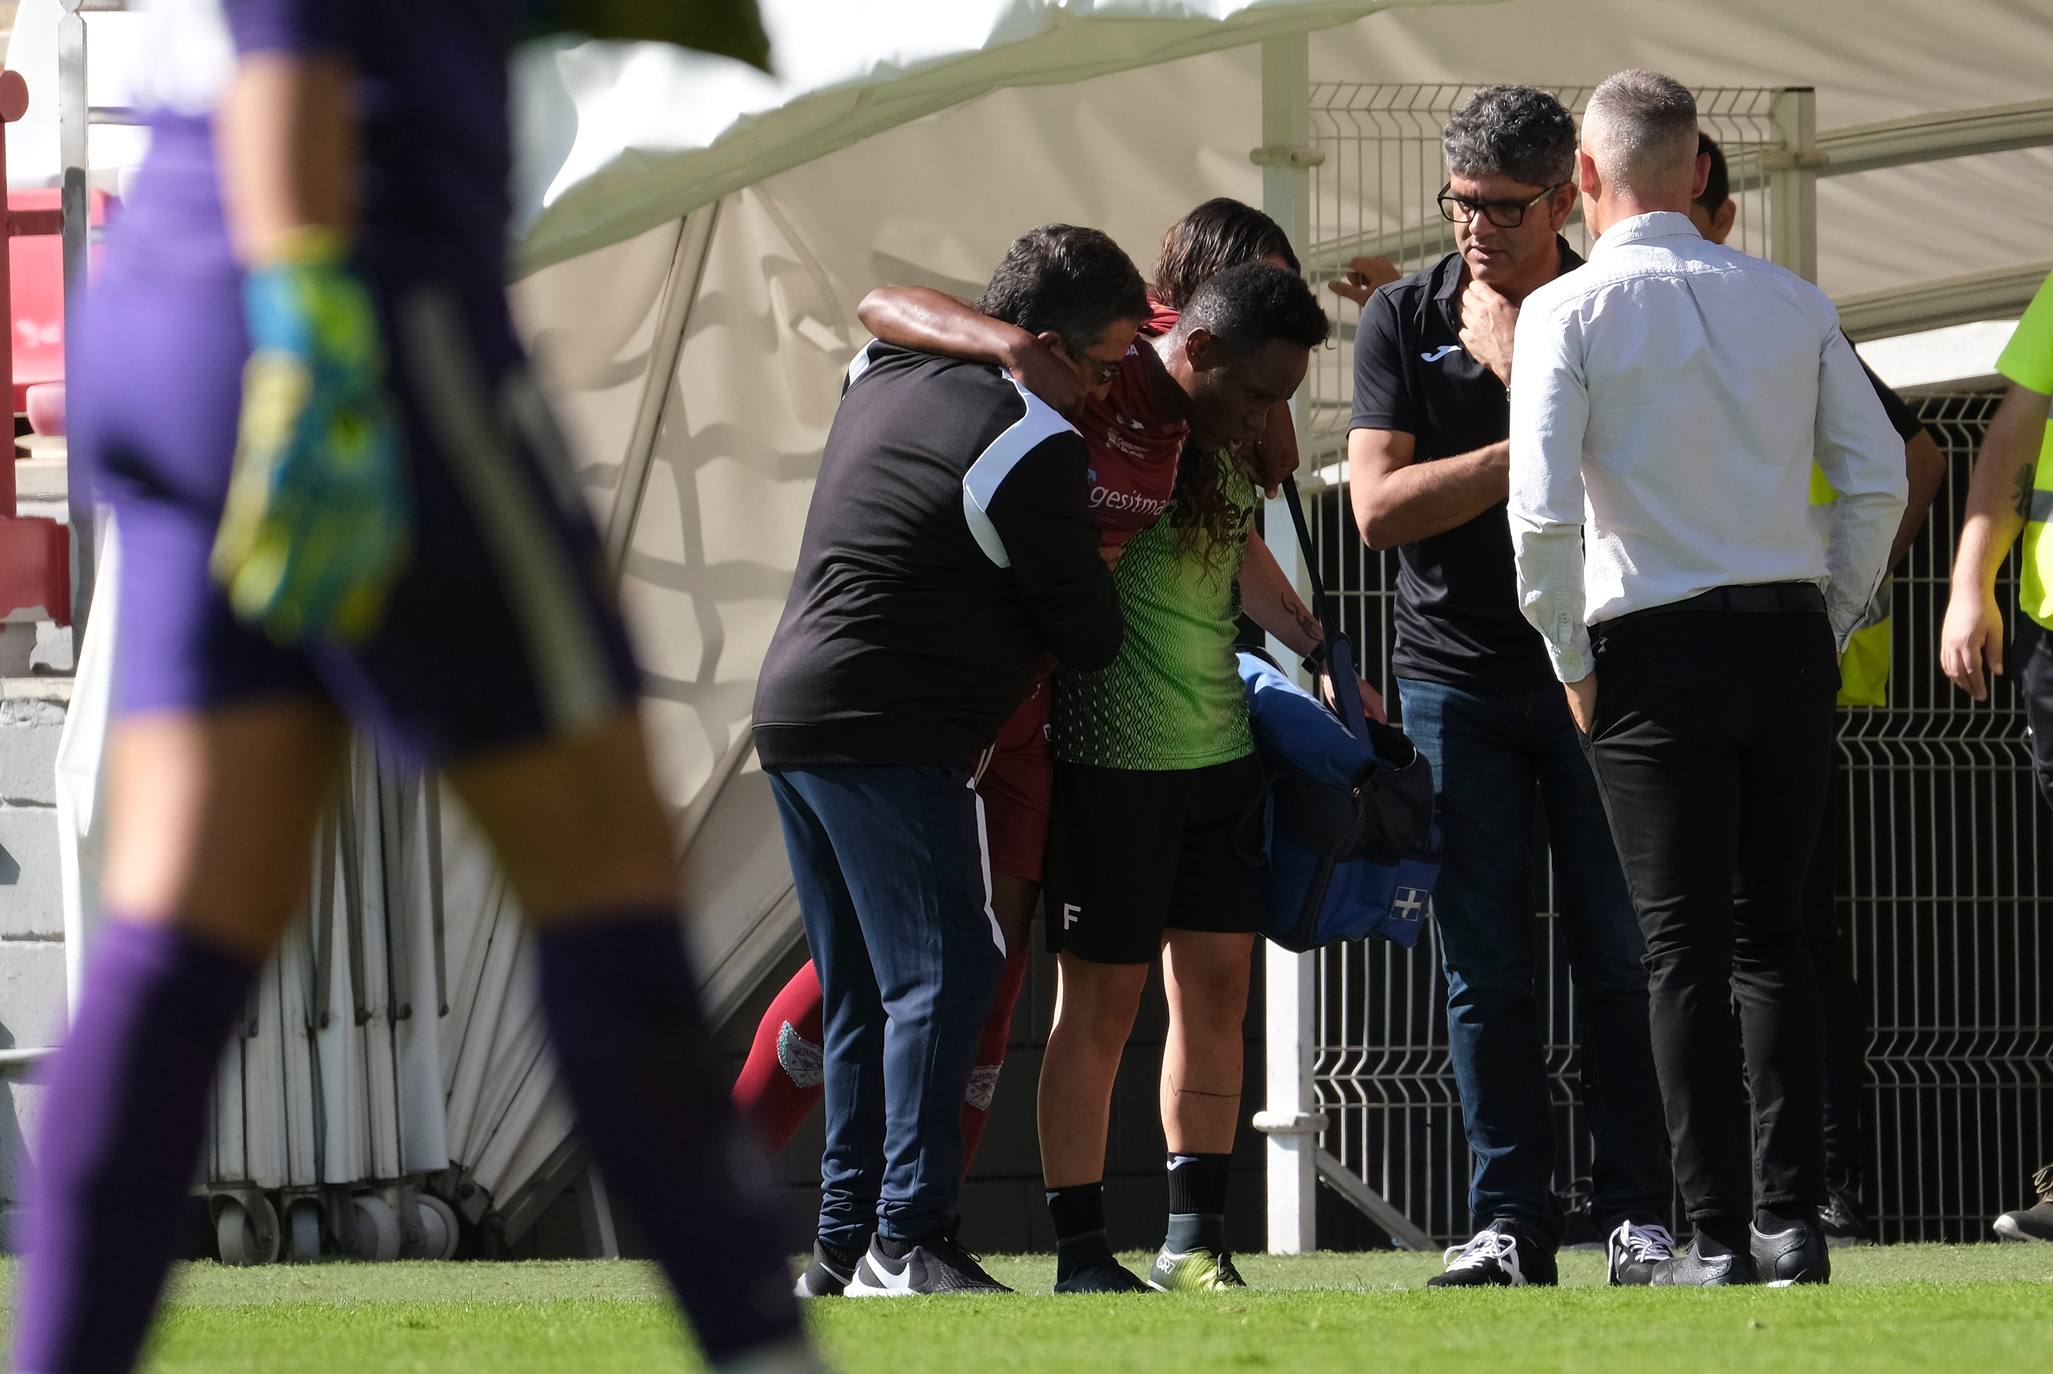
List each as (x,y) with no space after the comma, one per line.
(694,237)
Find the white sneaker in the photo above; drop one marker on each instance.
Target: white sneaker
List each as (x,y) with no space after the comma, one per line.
(1633,1250)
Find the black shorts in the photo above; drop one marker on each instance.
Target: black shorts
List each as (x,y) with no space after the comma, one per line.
(1132,854)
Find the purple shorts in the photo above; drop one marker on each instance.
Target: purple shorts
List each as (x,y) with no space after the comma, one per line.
(503,630)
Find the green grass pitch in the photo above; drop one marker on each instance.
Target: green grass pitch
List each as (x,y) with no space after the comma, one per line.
(1983,1307)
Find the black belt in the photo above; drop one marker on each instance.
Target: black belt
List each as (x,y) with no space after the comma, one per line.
(1763,598)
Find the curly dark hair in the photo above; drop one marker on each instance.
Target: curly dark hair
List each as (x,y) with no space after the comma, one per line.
(1513,131)
(1245,308)
(1219,234)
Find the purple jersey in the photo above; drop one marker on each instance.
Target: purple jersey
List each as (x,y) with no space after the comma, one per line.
(436,148)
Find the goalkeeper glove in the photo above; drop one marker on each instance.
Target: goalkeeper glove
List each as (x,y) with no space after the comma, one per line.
(316,524)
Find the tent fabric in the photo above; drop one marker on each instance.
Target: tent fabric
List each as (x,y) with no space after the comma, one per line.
(620,137)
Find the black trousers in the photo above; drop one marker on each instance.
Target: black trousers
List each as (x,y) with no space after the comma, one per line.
(2035,689)
(1846,1015)
(1710,746)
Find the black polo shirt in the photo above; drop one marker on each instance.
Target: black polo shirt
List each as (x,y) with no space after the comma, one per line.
(1457,615)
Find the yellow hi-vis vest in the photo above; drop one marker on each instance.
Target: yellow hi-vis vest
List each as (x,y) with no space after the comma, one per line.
(1864,671)
(2035,597)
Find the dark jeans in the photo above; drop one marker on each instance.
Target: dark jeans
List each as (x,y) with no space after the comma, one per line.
(1846,1015)
(891,875)
(1710,744)
(1492,752)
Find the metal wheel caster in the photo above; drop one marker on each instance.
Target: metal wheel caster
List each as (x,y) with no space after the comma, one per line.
(246,1229)
(376,1233)
(440,1234)
(303,1231)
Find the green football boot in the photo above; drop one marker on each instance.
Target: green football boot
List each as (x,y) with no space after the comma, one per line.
(1194,1271)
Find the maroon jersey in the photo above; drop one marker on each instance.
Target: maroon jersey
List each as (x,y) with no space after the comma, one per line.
(1134,441)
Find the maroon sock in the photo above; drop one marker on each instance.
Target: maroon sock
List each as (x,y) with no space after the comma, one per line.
(983,1079)
(124,1120)
(780,1083)
(622,1009)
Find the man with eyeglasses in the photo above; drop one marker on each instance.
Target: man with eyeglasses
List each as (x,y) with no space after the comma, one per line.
(949,547)
(1427,471)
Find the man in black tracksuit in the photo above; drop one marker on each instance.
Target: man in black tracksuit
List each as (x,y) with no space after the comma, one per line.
(948,549)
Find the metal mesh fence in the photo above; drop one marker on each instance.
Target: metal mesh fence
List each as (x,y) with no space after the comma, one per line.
(1939,868)
(1939,885)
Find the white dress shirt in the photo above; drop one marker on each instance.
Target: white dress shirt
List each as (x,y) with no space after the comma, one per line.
(1667,400)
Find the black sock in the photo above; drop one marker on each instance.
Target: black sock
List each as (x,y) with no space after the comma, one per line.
(847,1256)
(1770,1221)
(1079,1215)
(1197,1202)
(1719,1236)
(894,1249)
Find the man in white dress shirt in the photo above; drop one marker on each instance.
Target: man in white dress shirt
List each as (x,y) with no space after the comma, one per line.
(1671,395)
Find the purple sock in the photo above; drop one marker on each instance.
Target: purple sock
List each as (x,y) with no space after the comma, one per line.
(623,1013)
(123,1123)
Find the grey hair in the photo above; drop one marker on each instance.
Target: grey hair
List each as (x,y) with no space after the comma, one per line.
(1641,128)
(1512,131)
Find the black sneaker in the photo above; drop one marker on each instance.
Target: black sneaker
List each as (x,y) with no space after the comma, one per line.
(2036,1221)
(1497,1257)
(828,1274)
(1843,1220)
(1797,1255)
(934,1265)
(1694,1269)
(1103,1276)
(1633,1250)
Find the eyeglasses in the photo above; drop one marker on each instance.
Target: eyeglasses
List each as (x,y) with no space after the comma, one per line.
(1505,214)
(1101,373)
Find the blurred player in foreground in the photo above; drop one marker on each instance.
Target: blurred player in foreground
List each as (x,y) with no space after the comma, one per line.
(343,501)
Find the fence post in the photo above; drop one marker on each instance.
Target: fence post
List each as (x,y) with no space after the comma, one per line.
(1792,176)
(1287,1118)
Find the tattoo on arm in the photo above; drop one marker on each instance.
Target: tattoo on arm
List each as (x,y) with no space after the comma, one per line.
(1306,621)
(2023,498)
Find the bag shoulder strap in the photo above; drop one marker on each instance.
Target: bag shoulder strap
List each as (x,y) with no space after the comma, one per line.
(1340,665)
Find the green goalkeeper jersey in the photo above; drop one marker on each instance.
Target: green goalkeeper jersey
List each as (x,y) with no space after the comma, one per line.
(1173,698)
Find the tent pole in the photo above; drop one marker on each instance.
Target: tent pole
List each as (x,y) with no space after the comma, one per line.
(673,318)
(1288,1117)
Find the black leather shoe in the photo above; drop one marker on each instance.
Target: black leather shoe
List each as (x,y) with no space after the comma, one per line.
(1843,1221)
(1693,1269)
(1797,1255)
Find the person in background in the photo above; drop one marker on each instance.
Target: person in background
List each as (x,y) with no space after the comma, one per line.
(1670,397)
(1863,682)
(1427,464)
(2011,493)
(949,548)
(343,501)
